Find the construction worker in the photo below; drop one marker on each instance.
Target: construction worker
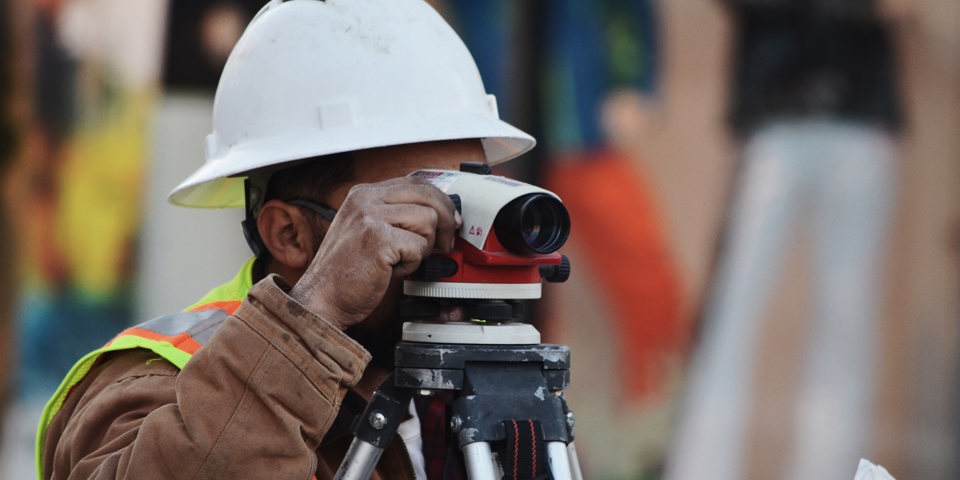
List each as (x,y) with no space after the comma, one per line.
(322,110)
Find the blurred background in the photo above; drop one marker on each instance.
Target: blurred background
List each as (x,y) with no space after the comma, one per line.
(765,199)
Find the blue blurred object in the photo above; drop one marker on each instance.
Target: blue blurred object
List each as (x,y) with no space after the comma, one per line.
(587,49)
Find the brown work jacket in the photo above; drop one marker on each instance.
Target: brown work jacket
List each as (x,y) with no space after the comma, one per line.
(260,400)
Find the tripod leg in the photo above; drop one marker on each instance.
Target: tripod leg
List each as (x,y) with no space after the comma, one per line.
(373,430)
(559,461)
(359,462)
(479,462)
(575,470)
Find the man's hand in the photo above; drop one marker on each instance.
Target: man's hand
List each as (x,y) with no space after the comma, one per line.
(381,232)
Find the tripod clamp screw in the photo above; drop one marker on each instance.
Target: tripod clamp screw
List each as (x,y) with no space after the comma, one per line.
(456,423)
(377,420)
(571,420)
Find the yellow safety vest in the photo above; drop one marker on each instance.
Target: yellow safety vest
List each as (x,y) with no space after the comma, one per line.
(174,337)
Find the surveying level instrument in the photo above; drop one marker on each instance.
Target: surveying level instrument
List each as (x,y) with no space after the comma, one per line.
(508,412)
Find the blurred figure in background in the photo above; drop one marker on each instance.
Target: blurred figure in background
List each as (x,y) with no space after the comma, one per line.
(75,188)
(815,107)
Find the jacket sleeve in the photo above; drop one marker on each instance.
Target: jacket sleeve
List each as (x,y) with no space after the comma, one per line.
(252,403)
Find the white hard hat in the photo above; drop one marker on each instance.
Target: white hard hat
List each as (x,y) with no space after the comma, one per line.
(312,77)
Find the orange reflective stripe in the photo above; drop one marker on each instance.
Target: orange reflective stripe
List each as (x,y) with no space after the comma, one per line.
(182,341)
(228,306)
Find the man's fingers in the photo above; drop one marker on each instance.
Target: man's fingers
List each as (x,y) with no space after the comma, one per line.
(406,194)
(414,218)
(381,231)
(408,250)
(409,190)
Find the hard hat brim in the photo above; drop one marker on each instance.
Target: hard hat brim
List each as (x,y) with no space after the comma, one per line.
(219,182)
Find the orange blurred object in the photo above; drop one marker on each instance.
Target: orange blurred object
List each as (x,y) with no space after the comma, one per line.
(615,222)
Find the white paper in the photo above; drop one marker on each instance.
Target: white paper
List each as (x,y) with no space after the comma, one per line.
(869,471)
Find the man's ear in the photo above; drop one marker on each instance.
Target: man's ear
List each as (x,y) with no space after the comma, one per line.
(287,234)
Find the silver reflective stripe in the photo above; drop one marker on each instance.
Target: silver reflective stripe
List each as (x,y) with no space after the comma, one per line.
(199,325)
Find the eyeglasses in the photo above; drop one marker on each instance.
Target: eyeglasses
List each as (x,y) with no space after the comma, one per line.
(324,211)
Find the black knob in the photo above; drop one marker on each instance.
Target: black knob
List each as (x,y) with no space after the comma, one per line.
(434,268)
(556,273)
(476,167)
(492,311)
(457,202)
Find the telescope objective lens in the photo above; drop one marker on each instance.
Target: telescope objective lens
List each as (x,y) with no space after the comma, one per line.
(534,223)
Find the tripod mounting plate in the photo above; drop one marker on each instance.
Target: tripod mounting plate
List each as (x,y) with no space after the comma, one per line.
(471,333)
(436,366)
